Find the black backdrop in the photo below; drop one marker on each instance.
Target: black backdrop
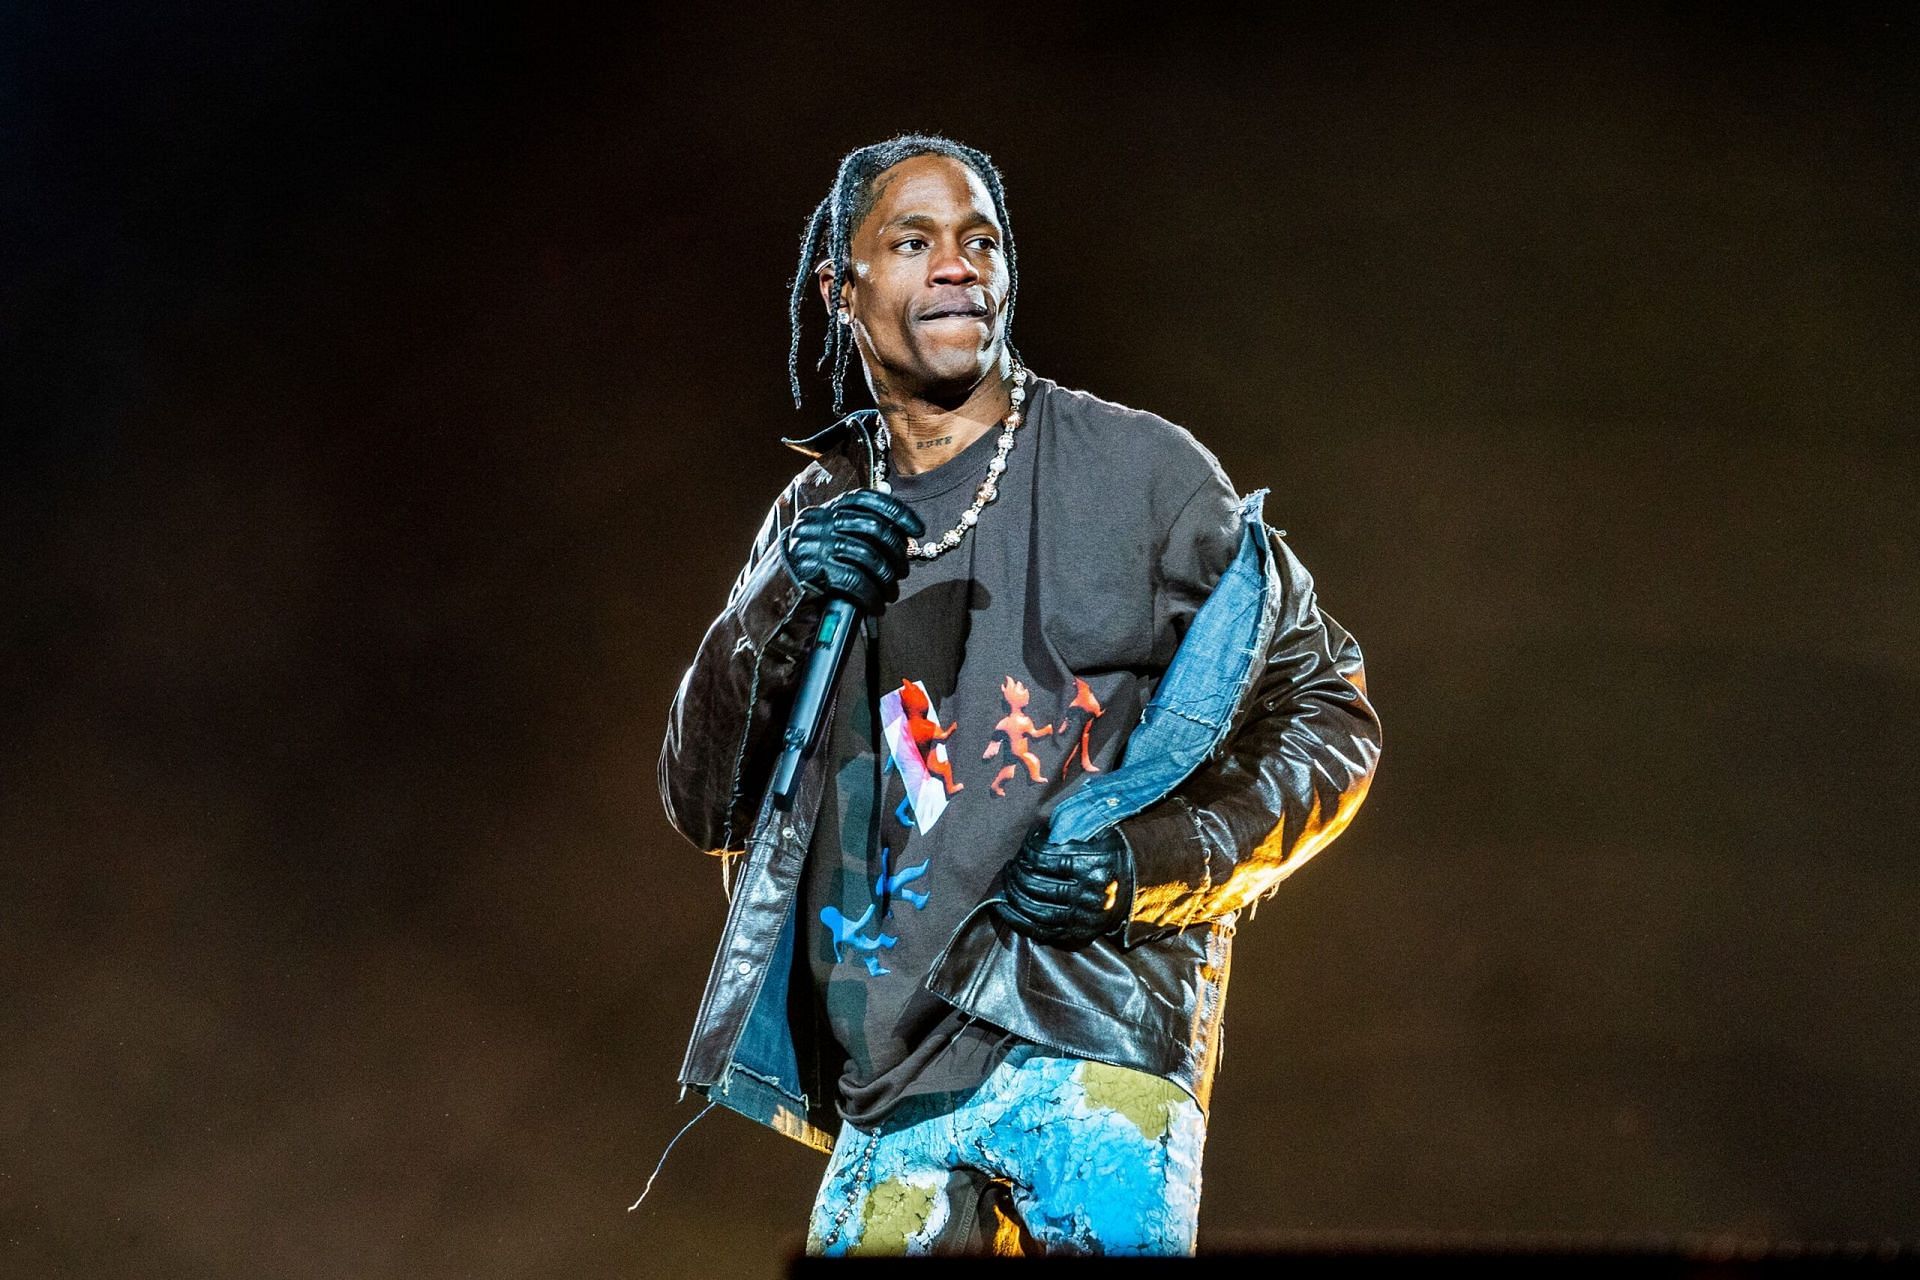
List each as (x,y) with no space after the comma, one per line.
(390,398)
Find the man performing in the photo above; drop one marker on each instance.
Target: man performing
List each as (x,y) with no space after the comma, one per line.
(1093,711)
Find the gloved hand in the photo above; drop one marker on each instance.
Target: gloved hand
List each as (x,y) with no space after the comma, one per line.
(1072,892)
(853,546)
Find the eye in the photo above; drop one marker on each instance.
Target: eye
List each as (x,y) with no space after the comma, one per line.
(987,242)
(910,242)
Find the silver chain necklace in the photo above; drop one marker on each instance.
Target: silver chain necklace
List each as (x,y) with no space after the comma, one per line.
(989,488)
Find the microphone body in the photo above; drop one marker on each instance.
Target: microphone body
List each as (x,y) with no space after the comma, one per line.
(829,655)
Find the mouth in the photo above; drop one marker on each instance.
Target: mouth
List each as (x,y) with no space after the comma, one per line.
(955,311)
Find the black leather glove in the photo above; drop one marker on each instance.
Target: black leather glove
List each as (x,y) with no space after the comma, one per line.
(854,547)
(1072,892)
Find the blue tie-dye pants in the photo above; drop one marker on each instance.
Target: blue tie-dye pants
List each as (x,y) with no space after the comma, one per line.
(1048,1155)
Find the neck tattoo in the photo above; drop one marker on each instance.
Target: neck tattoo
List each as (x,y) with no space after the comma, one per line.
(989,488)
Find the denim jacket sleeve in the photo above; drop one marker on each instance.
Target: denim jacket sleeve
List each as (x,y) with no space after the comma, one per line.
(725,725)
(1285,782)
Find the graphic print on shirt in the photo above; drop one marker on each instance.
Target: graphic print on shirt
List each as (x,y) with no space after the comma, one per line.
(892,882)
(916,746)
(1085,702)
(846,933)
(1014,730)
(916,750)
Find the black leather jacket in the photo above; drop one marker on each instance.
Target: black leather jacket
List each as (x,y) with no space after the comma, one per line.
(1255,750)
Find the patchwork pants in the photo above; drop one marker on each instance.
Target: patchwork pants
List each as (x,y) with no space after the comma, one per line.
(1048,1155)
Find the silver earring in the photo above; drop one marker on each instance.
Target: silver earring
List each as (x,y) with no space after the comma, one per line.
(845,316)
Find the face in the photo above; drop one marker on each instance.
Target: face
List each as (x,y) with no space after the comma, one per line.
(929,282)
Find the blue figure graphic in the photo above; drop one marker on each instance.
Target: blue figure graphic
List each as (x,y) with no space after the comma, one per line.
(890,881)
(847,932)
(902,812)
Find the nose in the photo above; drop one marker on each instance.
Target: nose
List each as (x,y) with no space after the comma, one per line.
(951,266)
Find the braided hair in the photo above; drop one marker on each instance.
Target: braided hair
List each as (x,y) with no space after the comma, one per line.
(829,235)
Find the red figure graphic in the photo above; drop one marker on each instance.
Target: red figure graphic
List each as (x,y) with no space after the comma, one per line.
(1017,727)
(926,733)
(1084,700)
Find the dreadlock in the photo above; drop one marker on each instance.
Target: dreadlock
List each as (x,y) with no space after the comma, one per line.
(829,235)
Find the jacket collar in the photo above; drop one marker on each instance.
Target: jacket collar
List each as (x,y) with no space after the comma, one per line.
(860,423)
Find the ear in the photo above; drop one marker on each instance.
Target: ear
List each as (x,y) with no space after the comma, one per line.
(823,274)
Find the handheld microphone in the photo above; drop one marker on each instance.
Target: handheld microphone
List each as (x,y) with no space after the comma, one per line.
(823,670)
(829,655)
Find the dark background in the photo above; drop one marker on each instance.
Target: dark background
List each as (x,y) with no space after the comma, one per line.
(390,398)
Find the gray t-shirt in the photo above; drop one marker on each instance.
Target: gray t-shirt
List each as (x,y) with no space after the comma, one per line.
(1010,668)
